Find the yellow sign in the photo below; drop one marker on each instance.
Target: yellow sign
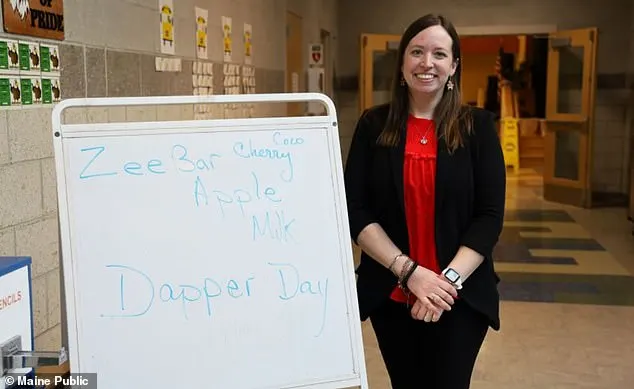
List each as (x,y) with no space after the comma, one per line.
(247,43)
(510,143)
(201,33)
(226,38)
(166,18)
(167,23)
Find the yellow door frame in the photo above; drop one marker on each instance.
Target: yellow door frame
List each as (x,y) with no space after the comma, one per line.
(370,43)
(573,191)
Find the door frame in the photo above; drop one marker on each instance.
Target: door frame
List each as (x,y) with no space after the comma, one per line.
(326,41)
(562,190)
(294,56)
(369,43)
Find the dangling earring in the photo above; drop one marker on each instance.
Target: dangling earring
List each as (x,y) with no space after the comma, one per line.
(402,81)
(449,84)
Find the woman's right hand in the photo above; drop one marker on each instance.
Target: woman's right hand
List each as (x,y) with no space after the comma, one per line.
(431,289)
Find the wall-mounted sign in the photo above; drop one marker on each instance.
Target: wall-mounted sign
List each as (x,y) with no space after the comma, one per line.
(40,18)
(316,54)
(166,12)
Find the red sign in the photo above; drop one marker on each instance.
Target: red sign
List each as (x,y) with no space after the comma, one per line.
(316,54)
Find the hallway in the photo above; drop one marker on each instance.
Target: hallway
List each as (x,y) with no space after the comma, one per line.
(567,299)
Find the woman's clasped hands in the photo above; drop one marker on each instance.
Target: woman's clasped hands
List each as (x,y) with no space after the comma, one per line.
(434,294)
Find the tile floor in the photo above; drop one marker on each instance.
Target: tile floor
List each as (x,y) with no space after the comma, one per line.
(567,299)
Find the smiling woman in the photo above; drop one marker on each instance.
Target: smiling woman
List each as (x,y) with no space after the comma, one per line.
(425,186)
(427,67)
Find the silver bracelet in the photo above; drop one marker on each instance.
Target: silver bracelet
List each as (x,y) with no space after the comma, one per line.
(397,256)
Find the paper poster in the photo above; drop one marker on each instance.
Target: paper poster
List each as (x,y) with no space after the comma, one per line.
(201,32)
(31,87)
(29,56)
(166,18)
(50,58)
(9,56)
(294,82)
(248,87)
(248,48)
(226,38)
(231,83)
(10,90)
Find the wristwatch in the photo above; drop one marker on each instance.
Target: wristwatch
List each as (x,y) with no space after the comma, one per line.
(453,277)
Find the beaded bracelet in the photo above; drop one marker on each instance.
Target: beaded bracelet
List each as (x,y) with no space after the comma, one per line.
(406,273)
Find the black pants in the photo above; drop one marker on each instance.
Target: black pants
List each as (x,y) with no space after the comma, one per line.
(420,355)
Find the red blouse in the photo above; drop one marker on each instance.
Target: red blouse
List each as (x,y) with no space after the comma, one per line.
(419,174)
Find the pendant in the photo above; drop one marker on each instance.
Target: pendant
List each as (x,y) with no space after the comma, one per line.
(423,141)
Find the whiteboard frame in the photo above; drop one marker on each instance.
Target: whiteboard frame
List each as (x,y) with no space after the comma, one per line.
(78,130)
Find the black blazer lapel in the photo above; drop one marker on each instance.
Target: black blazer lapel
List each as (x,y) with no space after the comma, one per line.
(397,158)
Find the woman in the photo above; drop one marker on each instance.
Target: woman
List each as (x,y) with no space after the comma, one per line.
(425,184)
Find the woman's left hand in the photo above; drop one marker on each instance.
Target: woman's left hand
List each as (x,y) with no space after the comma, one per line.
(421,312)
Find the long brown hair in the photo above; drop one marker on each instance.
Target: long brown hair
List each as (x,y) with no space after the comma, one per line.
(451,117)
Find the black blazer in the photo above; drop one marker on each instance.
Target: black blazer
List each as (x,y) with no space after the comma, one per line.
(469,209)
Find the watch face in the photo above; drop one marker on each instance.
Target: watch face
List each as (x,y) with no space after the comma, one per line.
(452,275)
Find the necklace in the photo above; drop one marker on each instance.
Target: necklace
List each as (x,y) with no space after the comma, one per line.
(424,139)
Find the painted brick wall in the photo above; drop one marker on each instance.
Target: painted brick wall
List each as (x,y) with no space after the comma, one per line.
(109,50)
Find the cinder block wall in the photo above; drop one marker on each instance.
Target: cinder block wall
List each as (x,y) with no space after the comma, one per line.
(109,50)
(614,19)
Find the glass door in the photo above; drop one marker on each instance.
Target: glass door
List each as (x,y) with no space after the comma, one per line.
(378,58)
(571,86)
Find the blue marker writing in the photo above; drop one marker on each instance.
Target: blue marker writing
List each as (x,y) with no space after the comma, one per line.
(239,197)
(183,163)
(275,227)
(292,286)
(200,193)
(100,149)
(281,140)
(140,300)
(248,151)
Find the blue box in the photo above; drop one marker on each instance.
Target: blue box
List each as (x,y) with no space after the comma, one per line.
(16,305)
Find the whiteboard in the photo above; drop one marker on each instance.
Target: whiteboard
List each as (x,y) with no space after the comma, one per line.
(209,253)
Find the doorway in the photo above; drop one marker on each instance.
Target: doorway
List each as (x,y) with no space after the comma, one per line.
(328,63)
(294,61)
(556,136)
(570,103)
(378,56)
